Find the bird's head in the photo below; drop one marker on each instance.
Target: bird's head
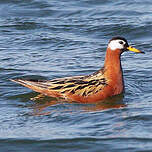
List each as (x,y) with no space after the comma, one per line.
(121,44)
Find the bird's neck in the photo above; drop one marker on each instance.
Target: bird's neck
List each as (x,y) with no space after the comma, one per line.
(113,60)
(113,70)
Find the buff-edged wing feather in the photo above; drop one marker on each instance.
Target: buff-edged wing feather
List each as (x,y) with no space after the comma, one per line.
(82,86)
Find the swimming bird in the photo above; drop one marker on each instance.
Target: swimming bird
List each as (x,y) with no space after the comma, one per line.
(106,82)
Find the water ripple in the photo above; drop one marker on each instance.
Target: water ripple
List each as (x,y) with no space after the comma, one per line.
(51,39)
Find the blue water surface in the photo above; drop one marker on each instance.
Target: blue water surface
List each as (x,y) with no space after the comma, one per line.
(49,39)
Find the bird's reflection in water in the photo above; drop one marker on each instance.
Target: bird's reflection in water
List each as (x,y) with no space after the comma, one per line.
(42,105)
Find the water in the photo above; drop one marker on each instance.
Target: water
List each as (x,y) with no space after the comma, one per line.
(51,39)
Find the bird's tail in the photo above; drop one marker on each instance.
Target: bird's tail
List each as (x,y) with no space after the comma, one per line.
(32,84)
(38,86)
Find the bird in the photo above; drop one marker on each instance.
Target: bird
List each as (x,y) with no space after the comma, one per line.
(106,82)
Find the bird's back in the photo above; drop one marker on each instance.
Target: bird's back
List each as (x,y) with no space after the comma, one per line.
(78,88)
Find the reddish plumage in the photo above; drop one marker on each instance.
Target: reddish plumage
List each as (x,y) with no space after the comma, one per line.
(106,82)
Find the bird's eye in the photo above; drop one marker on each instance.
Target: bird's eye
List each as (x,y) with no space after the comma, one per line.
(120,42)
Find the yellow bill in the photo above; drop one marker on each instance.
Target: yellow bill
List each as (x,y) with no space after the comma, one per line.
(130,48)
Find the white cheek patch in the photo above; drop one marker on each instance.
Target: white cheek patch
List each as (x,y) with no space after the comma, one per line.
(114,44)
